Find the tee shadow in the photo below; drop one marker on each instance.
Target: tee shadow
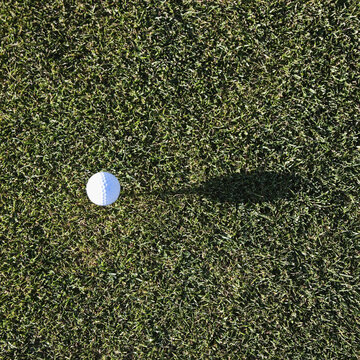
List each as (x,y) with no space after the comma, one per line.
(247,187)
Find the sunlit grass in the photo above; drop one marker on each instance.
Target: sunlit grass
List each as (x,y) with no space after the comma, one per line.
(233,129)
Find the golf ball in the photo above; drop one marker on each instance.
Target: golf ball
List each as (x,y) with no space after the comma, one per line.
(103,188)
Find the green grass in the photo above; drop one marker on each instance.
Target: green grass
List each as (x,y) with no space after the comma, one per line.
(233,127)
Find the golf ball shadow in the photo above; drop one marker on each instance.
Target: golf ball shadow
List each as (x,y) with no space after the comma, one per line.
(248,187)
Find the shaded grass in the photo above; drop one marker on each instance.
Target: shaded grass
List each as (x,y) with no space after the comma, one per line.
(233,129)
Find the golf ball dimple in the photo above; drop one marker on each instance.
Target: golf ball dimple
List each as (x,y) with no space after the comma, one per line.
(103,188)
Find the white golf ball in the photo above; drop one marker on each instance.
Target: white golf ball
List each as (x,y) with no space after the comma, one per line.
(103,188)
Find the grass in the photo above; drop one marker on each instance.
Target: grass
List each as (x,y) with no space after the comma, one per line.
(233,128)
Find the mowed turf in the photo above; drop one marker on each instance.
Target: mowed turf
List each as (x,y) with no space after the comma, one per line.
(233,128)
